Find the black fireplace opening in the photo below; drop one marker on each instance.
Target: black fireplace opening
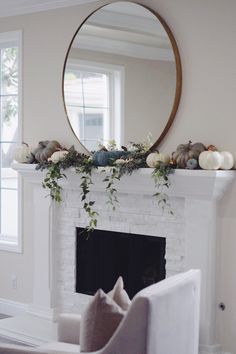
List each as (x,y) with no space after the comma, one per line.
(105,255)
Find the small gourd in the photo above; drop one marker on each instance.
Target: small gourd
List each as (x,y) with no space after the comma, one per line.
(154,159)
(215,160)
(185,152)
(22,154)
(192,164)
(45,149)
(58,156)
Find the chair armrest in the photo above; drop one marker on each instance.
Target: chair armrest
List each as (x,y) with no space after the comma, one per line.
(69,328)
(17,349)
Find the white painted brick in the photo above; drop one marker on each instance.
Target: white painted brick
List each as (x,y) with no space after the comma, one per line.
(113,226)
(173,257)
(150,230)
(75,201)
(66,229)
(175,242)
(175,266)
(118,218)
(68,261)
(137,214)
(69,212)
(64,243)
(66,219)
(170,273)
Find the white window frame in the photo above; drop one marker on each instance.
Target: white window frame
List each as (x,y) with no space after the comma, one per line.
(7,39)
(116,93)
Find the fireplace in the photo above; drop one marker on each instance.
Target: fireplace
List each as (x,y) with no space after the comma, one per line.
(191,234)
(105,255)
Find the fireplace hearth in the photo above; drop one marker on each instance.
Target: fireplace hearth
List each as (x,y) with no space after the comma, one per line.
(105,255)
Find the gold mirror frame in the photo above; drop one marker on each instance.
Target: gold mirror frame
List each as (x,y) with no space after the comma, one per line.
(178,86)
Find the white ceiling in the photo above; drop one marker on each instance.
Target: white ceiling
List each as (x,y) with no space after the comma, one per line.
(126,29)
(19,7)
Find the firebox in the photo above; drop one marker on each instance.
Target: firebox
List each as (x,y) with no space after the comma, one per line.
(105,255)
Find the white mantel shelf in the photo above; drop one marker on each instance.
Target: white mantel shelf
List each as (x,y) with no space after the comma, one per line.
(199,184)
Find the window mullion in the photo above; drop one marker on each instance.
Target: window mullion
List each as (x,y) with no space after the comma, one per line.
(1,122)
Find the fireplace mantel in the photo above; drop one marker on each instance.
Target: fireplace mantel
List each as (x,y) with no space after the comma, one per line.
(199,184)
(191,233)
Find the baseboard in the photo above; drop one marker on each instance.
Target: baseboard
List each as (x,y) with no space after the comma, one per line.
(12,308)
(212,350)
(28,329)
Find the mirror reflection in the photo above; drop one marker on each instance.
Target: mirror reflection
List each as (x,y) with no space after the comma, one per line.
(120,77)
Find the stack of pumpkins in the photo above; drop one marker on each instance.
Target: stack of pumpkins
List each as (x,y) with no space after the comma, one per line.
(215,160)
(192,156)
(46,150)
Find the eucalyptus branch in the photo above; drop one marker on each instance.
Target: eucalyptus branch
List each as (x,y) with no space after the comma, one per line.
(161,181)
(85,170)
(51,181)
(83,166)
(131,162)
(120,167)
(113,176)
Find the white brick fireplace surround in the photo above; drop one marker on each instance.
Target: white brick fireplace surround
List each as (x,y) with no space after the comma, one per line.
(191,234)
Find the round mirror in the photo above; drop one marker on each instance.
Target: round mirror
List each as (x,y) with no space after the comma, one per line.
(122,77)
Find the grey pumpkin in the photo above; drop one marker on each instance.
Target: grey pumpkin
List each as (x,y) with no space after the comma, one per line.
(45,149)
(185,152)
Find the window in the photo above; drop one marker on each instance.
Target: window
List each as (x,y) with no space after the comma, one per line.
(10,101)
(93,102)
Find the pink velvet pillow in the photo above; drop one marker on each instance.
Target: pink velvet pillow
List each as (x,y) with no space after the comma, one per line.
(100,320)
(119,295)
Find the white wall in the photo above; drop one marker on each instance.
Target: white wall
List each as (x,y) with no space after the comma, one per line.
(205,31)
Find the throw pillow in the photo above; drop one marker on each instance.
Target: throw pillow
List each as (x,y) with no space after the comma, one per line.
(119,295)
(100,320)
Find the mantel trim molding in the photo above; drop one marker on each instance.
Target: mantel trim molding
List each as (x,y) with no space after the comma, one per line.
(199,184)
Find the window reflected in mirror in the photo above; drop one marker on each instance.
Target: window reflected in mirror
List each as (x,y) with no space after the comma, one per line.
(93,101)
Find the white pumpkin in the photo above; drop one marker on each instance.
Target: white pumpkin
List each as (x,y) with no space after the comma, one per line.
(210,160)
(215,160)
(155,158)
(22,154)
(228,160)
(58,155)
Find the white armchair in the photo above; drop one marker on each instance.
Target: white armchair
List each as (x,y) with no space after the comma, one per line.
(162,319)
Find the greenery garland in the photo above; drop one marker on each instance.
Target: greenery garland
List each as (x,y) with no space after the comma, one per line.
(84,166)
